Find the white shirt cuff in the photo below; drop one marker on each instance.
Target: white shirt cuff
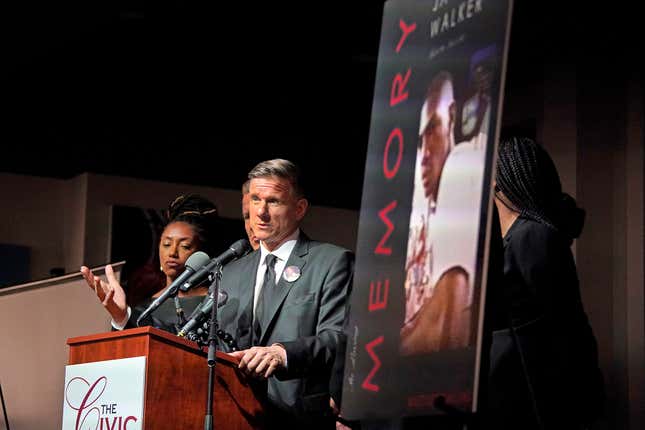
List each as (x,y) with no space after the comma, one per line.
(121,325)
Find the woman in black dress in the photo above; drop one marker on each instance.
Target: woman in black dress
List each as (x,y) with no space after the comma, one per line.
(190,227)
(544,360)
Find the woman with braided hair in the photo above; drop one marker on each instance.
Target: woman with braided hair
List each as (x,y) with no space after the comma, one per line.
(544,359)
(191,223)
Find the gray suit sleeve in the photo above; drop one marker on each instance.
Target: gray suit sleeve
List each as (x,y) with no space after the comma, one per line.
(313,354)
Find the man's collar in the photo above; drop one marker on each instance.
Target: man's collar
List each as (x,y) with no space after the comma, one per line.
(284,250)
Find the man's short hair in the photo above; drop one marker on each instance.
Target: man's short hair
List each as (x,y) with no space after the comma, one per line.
(246,186)
(281,168)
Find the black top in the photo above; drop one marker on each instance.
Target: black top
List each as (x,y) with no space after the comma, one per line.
(553,376)
(165,316)
(540,274)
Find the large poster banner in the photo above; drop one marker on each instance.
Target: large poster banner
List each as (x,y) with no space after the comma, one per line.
(414,333)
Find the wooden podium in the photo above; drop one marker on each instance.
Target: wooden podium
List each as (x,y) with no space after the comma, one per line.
(176,379)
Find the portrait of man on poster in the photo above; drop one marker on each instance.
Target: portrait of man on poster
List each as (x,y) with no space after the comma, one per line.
(445,214)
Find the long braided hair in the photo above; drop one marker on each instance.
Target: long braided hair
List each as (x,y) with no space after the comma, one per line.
(527,177)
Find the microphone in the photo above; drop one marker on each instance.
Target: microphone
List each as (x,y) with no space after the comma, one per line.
(237,250)
(194,262)
(202,313)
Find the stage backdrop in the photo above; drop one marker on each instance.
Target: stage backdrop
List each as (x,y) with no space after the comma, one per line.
(416,309)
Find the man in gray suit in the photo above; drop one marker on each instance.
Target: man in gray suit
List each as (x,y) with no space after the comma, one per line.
(287,301)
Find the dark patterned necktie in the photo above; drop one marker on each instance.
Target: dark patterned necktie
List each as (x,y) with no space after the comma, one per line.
(263,306)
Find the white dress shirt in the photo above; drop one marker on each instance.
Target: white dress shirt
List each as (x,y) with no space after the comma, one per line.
(282,254)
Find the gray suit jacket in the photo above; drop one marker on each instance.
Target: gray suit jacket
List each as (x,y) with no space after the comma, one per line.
(307,319)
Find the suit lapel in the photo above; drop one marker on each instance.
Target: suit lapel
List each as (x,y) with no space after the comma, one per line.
(298,259)
(247,287)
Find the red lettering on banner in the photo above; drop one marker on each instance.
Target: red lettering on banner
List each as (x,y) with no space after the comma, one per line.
(406,32)
(117,423)
(367,383)
(398,93)
(381,248)
(376,300)
(113,426)
(379,289)
(85,403)
(390,173)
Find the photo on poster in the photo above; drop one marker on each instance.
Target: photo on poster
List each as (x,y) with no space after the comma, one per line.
(441,260)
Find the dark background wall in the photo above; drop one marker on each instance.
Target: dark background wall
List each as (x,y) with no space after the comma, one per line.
(199,93)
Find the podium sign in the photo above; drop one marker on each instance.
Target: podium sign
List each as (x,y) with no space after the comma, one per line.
(105,395)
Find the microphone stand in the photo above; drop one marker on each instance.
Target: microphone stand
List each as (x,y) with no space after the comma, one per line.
(213,291)
(179,311)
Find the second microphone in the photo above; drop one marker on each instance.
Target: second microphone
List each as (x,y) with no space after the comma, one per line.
(236,250)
